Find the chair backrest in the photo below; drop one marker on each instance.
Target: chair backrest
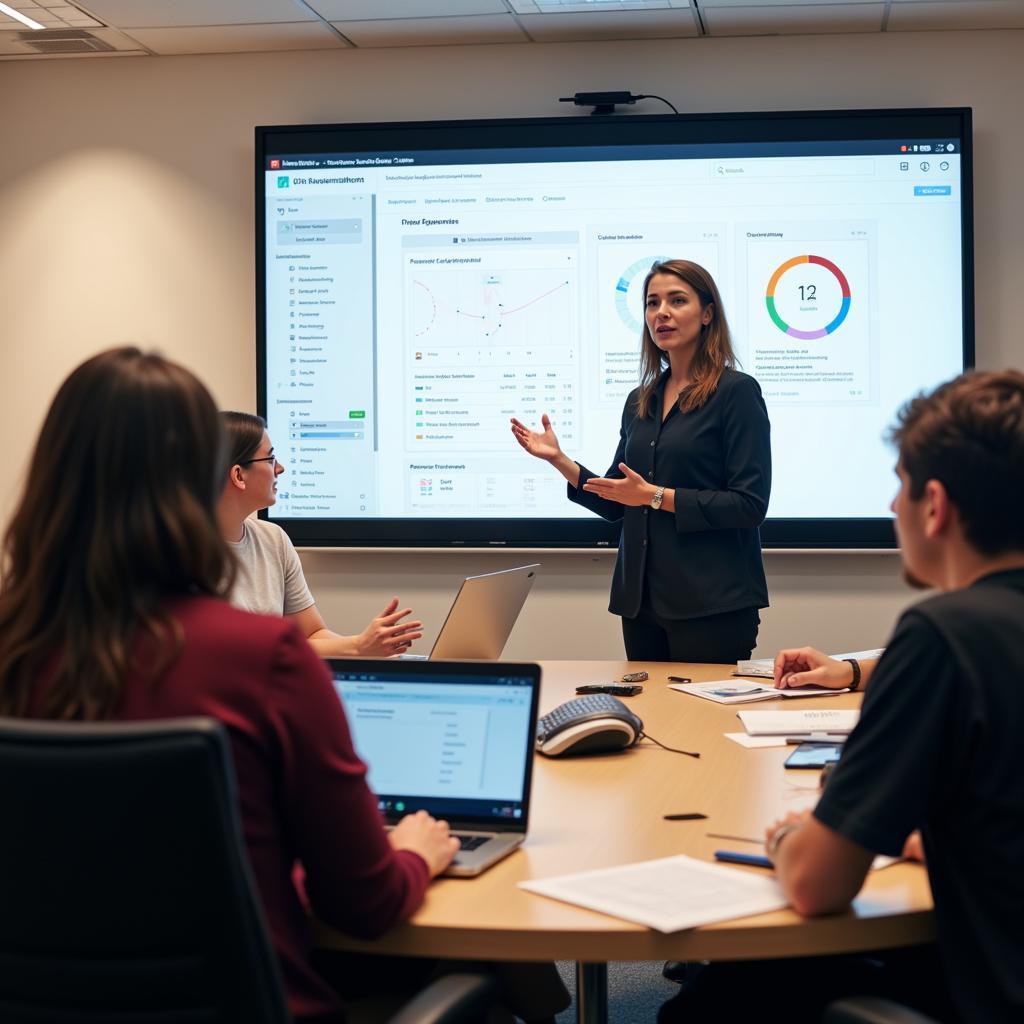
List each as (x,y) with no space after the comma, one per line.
(125,891)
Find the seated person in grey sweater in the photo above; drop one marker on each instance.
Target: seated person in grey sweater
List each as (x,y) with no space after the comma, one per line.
(270,578)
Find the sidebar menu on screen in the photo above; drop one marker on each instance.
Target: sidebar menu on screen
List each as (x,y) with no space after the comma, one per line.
(321,349)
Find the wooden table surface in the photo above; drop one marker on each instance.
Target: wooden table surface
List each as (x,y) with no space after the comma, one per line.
(603,810)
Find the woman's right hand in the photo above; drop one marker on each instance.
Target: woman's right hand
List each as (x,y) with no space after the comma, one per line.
(541,445)
(428,837)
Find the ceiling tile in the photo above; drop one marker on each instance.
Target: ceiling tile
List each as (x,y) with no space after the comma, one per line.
(550,28)
(176,13)
(802,19)
(375,10)
(706,4)
(489,28)
(238,38)
(929,14)
(591,6)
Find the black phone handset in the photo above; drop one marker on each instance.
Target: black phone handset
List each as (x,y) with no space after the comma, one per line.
(588,725)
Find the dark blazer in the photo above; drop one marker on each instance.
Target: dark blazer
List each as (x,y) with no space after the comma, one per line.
(705,558)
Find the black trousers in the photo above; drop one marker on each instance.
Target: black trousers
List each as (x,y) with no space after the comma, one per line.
(728,637)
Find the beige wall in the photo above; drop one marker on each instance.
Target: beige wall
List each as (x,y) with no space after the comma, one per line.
(126,214)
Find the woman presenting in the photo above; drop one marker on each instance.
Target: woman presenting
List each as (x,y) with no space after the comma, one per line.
(690,481)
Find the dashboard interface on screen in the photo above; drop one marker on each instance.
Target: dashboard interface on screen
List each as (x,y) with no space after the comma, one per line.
(412,300)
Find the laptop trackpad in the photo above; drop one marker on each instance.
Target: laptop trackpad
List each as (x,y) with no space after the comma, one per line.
(480,850)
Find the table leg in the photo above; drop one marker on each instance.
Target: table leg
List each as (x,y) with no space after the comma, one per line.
(591,993)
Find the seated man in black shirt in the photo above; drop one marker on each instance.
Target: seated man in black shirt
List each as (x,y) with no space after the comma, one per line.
(937,746)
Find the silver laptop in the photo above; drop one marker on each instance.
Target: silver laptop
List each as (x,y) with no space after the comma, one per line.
(482,615)
(452,738)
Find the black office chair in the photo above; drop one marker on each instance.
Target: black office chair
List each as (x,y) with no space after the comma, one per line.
(871,1010)
(125,891)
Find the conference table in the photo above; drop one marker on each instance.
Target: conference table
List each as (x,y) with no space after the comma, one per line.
(603,810)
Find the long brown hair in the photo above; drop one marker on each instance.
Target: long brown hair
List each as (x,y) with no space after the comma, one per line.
(714,352)
(117,516)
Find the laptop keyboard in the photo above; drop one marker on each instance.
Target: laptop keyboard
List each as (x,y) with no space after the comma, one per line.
(471,842)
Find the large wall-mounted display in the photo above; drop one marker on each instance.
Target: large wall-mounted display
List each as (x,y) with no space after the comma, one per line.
(419,284)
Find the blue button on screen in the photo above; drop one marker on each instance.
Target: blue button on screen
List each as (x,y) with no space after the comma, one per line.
(933,190)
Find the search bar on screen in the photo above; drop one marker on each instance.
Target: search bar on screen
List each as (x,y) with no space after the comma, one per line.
(841,167)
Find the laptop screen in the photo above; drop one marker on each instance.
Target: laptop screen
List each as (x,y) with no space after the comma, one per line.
(454,740)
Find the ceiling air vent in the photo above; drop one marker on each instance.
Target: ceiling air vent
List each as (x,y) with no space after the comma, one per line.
(64,40)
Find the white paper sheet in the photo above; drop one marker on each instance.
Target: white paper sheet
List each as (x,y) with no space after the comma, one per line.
(669,894)
(796,723)
(755,741)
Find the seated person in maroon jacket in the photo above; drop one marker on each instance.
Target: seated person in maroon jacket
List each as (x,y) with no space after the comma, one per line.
(111,607)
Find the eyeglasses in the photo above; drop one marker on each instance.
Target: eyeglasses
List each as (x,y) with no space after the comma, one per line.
(272,459)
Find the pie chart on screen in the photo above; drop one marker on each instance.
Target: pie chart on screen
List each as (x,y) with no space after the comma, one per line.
(829,321)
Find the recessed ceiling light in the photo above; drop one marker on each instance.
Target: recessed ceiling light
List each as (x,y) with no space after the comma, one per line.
(18,16)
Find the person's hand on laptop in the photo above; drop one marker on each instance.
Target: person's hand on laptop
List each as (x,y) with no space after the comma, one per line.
(428,837)
(387,635)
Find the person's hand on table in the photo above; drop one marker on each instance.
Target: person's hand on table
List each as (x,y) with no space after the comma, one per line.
(806,666)
(791,821)
(913,848)
(632,489)
(428,837)
(387,635)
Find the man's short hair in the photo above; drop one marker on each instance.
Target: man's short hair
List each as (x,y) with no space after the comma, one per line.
(969,435)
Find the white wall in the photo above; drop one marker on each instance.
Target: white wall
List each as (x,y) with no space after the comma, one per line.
(126,215)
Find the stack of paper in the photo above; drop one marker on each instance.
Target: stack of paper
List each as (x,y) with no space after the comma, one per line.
(668,894)
(727,691)
(798,723)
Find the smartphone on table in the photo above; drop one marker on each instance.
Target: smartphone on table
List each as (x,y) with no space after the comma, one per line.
(814,755)
(615,689)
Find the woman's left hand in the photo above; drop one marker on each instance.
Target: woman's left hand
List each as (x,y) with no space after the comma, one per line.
(631,490)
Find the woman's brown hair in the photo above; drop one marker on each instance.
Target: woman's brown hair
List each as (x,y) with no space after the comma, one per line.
(244,436)
(117,516)
(714,352)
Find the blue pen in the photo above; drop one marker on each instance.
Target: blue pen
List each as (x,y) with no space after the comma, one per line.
(753,859)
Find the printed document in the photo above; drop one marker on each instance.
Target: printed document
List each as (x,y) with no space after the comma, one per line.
(669,894)
(729,691)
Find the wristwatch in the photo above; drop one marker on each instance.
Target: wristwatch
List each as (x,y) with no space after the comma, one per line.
(659,497)
(772,846)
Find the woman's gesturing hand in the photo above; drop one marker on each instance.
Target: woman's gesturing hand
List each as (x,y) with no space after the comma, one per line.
(542,445)
(387,634)
(632,489)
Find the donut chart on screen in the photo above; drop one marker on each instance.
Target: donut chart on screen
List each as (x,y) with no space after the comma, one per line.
(844,306)
(626,315)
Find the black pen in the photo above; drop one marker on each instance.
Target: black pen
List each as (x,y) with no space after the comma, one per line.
(680,679)
(685,816)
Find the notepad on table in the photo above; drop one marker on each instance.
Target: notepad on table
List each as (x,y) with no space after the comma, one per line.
(798,723)
(668,894)
(728,691)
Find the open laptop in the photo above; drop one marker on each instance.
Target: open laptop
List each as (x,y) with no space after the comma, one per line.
(482,615)
(451,738)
